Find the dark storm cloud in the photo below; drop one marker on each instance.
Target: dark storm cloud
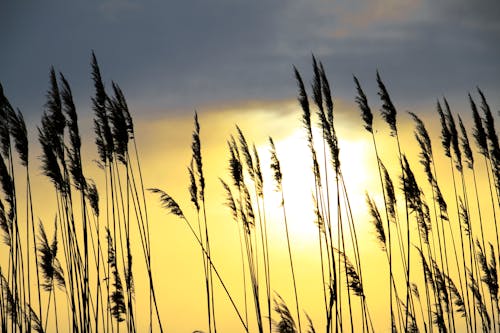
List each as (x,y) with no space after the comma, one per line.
(187,54)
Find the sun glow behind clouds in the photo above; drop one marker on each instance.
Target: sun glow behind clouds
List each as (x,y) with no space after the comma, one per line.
(257,122)
(298,180)
(165,146)
(359,174)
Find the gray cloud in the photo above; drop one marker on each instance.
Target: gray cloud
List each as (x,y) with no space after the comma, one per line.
(186,54)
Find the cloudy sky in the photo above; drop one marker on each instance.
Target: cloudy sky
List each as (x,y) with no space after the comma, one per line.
(172,57)
(175,56)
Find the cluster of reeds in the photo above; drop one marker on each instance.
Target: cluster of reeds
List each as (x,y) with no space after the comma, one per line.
(456,291)
(16,312)
(246,202)
(439,243)
(88,262)
(428,287)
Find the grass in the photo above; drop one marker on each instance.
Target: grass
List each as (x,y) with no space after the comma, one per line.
(441,272)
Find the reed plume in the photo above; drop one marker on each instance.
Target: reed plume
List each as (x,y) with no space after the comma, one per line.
(354,283)
(389,113)
(172,207)
(50,267)
(286,324)
(310,328)
(49,264)
(376,220)
(117,299)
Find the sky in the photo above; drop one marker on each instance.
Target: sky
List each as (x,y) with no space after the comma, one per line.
(232,61)
(177,56)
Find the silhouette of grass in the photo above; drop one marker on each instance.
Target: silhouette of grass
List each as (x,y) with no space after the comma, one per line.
(94,221)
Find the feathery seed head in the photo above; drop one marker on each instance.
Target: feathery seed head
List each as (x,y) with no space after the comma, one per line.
(389,192)
(119,129)
(258,173)
(245,150)
(453,135)
(235,166)
(5,225)
(489,124)
(479,132)
(376,220)
(285,324)
(12,123)
(117,298)
(49,265)
(193,188)
(20,135)
(464,139)
(104,136)
(388,110)
(304,103)
(362,101)
(196,148)
(317,87)
(168,202)
(353,278)
(424,141)
(74,156)
(275,165)
(445,132)
(327,94)
(93,196)
(230,201)
(120,97)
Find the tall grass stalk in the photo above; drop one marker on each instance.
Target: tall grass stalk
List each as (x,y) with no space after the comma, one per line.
(446,143)
(278,178)
(231,204)
(247,220)
(172,207)
(252,162)
(114,130)
(367,117)
(457,163)
(488,125)
(388,112)
(427,161)
(198,181)
(330,290)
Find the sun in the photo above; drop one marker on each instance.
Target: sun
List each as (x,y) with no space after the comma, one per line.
(298,179)
(356,167)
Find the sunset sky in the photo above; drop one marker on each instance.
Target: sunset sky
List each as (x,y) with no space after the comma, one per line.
(232,61)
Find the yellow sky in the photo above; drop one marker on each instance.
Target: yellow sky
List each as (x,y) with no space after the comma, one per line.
(165,149)
(282,121)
